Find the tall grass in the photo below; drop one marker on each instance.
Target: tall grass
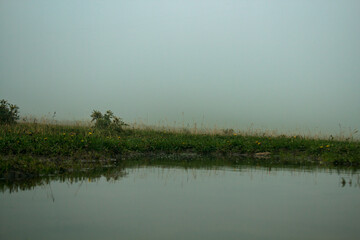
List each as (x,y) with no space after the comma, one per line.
(343,134)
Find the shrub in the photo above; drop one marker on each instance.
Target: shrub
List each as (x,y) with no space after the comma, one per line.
(107,121)
(9,113)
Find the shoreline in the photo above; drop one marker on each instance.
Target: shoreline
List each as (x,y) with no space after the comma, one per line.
(21,167)
(33,149)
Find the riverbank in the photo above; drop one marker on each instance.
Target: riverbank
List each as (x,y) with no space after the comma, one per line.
(30,148)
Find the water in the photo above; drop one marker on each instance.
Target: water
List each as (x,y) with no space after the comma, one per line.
(157,202)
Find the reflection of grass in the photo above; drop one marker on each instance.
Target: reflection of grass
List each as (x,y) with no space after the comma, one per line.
(113,171)
(27,167)
(88,174)
(81,142)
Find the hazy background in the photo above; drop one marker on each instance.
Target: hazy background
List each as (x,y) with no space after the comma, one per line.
(279,64)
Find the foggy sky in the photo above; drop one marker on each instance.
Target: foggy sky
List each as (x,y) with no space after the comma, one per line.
(280,64)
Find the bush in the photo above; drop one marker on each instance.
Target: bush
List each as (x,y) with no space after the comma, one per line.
(9,113)
(107,121)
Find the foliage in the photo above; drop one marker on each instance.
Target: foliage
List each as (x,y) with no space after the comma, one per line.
(83,142)
(9,113)
(107,121)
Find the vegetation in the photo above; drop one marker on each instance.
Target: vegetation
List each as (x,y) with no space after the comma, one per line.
(108,122)
(9,113)
(45,140)
(32,149)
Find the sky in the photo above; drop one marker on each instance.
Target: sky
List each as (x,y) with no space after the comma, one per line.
(290,65)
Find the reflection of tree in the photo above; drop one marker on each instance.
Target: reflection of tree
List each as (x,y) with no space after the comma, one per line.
(110,173)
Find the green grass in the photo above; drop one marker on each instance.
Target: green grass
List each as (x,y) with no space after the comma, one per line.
(46,141)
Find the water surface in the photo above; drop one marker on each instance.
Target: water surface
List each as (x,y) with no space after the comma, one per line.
(157,202)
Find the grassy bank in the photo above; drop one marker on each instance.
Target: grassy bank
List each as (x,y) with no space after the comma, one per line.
(71,143)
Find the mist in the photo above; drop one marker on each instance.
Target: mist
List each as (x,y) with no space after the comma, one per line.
(280,64)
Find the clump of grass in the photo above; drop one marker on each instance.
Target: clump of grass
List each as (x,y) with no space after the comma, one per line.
(108,122)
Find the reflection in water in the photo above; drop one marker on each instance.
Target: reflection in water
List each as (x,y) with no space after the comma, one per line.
(348,181)
(111,174)
(115,173)
(184,200)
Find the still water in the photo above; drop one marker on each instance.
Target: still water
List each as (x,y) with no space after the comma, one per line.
(157,202)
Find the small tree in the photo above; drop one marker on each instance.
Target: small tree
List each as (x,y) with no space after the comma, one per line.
(9,113)
(107,121)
